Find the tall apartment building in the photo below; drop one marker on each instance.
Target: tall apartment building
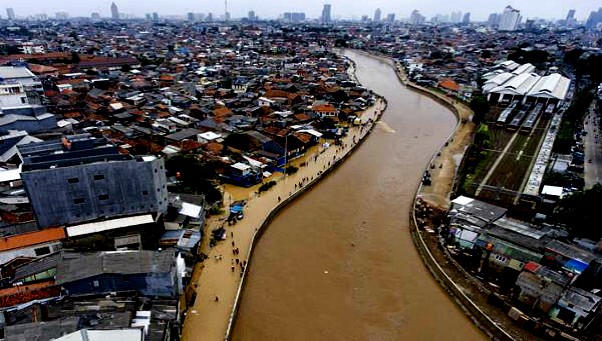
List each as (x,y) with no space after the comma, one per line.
(594,19)
(82,179)
(466,18)
(294,16)
(509,19)
(416,18)
(114,11)
(10,13)
(377,15)
(326,13)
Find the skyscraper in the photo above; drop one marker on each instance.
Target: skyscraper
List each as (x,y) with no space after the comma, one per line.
(252,16)
(416,18)
(494,19)
(595,17)
(571,15)
(61,15)
(455,17)
(466,18)
(391,17)
(377,15)
(155,16)
(326,13)
(114,11)
(510,19)
(10,13)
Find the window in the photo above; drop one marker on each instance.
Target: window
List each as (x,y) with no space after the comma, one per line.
(73,180)
(96,284)
(42,251)
(23,100)
(99,177)
(144,192)
(79,201)
(103,197)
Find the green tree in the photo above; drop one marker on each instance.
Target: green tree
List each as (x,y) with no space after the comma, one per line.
(75,57)
(480,107)
(194,176)
(579,211)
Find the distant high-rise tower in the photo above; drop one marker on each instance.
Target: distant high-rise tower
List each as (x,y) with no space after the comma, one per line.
(509,20)
(61,15)
(571,15)
(466,18)
(416,18)
(377,15)
(326,13)
(114,11)
(595,18)
(455,17)
(391,17)
(226,13)
(494,19)
(155,16)
(95,16)
(252,16)
(10,13)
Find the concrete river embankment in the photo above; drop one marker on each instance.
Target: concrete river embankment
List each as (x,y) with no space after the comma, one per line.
(339,262)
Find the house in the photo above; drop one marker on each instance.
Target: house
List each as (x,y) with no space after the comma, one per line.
(209,136)
(22,75)
(541,287)
(576,308)
(150,273)
(242,174)
(265,102)
(32,244)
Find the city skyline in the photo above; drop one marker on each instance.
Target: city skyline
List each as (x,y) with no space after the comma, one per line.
(341,9)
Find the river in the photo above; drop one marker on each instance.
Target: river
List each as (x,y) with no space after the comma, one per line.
(339,262)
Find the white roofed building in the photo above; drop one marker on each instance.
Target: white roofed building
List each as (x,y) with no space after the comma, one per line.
(554,86)
(520,82)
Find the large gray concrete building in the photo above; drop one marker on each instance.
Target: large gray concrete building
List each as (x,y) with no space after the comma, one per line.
(81,178)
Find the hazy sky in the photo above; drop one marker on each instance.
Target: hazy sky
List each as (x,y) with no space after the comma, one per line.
(479,9)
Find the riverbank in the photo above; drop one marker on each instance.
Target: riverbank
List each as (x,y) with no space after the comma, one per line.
(219,288)
(465,290)
(444,165)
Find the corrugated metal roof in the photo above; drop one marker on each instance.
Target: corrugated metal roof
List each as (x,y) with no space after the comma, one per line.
(11,72)
(74,267)
(89,228)
(130,334)
(551,86)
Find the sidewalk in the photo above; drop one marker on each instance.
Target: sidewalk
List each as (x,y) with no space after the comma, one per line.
(208,319)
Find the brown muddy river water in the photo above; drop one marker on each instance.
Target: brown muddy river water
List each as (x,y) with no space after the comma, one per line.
(339,262)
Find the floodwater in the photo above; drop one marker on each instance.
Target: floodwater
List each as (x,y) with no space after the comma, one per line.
(339,262)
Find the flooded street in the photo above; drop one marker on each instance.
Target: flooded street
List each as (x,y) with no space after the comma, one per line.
(339,262)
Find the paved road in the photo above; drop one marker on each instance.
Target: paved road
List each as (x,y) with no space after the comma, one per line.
(593,149)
